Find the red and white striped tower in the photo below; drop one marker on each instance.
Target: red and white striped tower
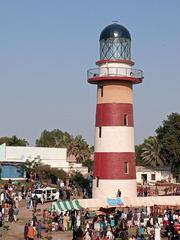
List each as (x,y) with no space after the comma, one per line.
(114,166)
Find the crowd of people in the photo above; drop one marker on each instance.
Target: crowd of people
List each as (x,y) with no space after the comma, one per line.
(134,225)
(11,195)
(9,204)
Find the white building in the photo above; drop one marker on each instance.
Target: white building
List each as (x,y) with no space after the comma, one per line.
(12,157)
(147,175)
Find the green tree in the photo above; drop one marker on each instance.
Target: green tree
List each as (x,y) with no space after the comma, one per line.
(168,135)
(31,167)
(13,141)
(55,138)
(56,173)
(79,180)
(81,149)
(138,151)
(76,146)
(89,164)
(151,153)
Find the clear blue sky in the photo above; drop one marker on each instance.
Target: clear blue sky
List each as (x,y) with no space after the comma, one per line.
(46,48)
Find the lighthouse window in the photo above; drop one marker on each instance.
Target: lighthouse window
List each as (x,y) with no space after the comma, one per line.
(100,132)
(126,167)
(101,90)
(97,181)
(125,120)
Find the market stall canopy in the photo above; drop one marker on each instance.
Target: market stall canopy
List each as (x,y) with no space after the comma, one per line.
(63,206)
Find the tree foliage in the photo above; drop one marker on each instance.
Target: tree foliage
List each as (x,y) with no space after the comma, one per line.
(168,135)
(45,172)
(79,180)
(89,164)
(30,167)
(151,153)
(81,149)
(76,146)
(138,151)
(54,138)
(164,148)
(35,169)
(13,141)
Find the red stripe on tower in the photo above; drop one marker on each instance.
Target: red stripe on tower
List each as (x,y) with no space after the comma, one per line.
(114,114)
(115,165)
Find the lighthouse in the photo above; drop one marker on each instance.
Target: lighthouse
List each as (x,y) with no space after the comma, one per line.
(114,157)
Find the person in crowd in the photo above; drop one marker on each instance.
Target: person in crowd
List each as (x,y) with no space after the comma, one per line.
(78,220)
(28,199)
(22,190)
(135,218)
(16,201)
(95,235)
(73,220)
(11,218)
(138,237)
(34,220)
(142,231)
(87,235)
(148,227)
(142,216)
(35,202)
(31,234)
(132,237)
(15,212)
(65,222)
(79,233)
(86,215)
(87,226)
(26,232)
(19,196)
(39,229)
(118,193)
(1,220)
(109,234)
(170,230)
(129,219)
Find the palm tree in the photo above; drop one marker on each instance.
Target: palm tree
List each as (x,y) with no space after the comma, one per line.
(81,149)
(31,167)
(151,153)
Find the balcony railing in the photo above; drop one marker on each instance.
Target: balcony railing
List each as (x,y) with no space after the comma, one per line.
(114,71)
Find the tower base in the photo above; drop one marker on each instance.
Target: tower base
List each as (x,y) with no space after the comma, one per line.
(109,188)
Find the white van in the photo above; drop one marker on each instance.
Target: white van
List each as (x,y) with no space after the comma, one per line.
(50,194)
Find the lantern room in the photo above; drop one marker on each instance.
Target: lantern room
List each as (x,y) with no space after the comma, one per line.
(115,43)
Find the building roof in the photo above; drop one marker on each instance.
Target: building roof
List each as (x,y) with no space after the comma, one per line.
(150,169)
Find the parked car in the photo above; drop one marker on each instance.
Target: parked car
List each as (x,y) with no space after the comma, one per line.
(50,194)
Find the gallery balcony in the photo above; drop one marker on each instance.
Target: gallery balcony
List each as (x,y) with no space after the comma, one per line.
(114,74)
